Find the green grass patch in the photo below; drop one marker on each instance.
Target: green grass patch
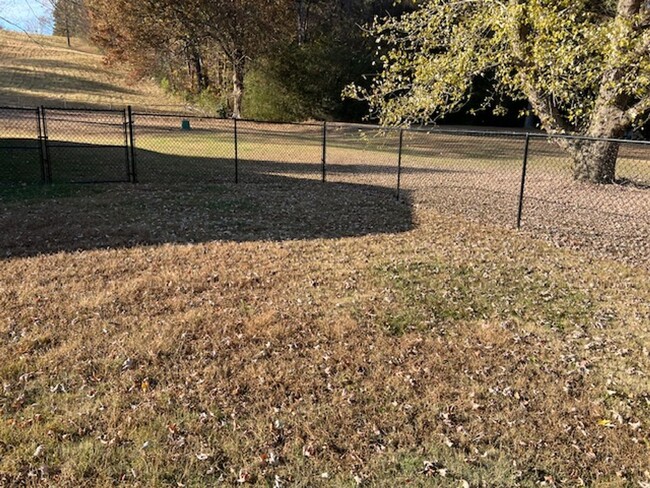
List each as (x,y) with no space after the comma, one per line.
(423,295)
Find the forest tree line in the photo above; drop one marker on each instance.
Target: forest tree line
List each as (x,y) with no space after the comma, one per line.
(581,66)
(270,59)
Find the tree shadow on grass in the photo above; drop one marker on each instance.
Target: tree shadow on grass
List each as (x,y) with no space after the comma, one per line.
(75,162)
(58,83)
(45,219)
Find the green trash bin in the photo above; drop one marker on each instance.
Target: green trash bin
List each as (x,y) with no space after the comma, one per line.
(185,125)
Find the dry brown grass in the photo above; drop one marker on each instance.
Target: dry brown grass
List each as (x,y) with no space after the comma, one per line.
(286,347)
(477,177)
(40,70)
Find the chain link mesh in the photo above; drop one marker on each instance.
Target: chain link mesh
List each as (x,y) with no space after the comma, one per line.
(183,149)
(86,146)
(474,174)
(274,152)
(20,148)
(362,155)
(471,173)
(613,218)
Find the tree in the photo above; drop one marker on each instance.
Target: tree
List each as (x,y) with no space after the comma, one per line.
(70,18)
(38,23)
(303,75)
(243,30)
(304,81)
(237,30)
(584,66)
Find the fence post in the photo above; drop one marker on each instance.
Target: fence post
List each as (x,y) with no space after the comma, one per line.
(236,152)
(134,173)
(399,162)
(324,159)
(125,126)
(41,153)
(523,182)
(46,148)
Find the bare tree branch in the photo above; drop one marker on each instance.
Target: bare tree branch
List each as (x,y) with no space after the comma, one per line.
(23,30)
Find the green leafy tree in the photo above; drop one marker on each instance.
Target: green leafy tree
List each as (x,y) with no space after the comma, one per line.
(584,66)
(304,81)
(242,30)
(302,76)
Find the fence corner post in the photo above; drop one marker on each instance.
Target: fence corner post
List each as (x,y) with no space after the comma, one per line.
(399,163)
(324,159)
(134,173)
(523,181)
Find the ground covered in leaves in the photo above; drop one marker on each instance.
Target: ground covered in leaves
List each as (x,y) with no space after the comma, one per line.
(312,337)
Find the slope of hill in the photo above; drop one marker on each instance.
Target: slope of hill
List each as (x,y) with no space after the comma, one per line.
(42,70)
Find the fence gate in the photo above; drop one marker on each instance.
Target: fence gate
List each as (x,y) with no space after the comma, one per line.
(86,146)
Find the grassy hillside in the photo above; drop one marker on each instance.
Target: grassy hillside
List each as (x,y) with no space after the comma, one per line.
(37,70)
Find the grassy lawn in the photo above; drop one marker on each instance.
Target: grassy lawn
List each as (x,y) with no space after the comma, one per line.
(21,162)
(315,337)
(37,70)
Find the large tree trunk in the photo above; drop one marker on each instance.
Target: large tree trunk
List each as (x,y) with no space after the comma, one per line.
(238,65)
(202,80)
(595,161)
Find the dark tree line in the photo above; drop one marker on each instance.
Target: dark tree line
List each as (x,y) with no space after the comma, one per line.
(282,59)
(267,59)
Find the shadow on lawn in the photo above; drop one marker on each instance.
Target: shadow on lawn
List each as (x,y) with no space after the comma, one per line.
(73,162)
(61,84)
(44,219)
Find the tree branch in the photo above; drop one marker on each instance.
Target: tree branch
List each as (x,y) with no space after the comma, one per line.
(638,110)
(19,27)
(551,118)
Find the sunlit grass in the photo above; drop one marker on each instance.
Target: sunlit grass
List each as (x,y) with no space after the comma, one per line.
(156,336)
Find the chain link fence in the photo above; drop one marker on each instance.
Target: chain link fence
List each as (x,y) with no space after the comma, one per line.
(515,179)
(83,146)
(269,152)
(20,146)
(473,173)
(613,218)
(362,155)
(183,149)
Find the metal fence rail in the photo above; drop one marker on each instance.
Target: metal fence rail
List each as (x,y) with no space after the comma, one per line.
(511,178)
